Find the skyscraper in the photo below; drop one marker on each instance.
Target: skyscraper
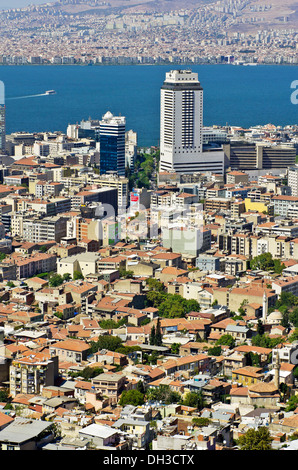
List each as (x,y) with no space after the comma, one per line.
(2,118)
(112,144)
(181,126)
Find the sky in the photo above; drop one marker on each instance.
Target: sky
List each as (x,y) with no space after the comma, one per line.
(6,4)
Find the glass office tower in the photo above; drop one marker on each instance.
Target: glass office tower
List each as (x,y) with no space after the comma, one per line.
(112,144)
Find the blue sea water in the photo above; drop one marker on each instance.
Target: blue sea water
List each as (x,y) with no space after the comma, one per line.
(237,95)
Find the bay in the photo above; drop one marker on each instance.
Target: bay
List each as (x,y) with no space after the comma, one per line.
(235,95)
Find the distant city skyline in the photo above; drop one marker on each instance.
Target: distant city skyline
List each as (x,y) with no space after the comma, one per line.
(7,4)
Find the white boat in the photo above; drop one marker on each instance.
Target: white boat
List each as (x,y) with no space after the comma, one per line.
(50,92)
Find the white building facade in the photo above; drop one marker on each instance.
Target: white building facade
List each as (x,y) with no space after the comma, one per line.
(181,126)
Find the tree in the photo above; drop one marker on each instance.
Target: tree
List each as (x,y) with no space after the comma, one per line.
(155,298)
(158,334)
(286,318)
(66,277)
(286,299)
(241,309)
(4,395)
(264,341)
(111,343)
(152,336)
(201,421)
(293,317)
(77,275)
(88,373)
(226,340)
(263,262)
(172,307)
(155,284)
(214,351)
(252,359)
(260,328)
(140,387)
(294,336)
(126,274)
(256,439)
(194,399)
(55,280)
(175,348)
(131,397)
(292,403)
(164,394)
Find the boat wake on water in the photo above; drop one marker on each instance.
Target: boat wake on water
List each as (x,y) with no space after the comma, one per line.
(46,93)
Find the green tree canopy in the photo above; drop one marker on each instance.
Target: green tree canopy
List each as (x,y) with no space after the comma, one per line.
(292,403)
(294,336)
(226,340)
(77,275)
(256,439)
(286,299)
(55,280)
(111,343)
(265,262)
(126,274)
(164,394)
(194,400)
(131,397)
(88,372)
(155,284)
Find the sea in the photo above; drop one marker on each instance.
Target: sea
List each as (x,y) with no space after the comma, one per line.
(234,95)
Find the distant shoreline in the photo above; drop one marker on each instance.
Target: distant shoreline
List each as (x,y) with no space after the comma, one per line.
(172,64)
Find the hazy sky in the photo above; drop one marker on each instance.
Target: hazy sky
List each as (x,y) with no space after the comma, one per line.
(5,4)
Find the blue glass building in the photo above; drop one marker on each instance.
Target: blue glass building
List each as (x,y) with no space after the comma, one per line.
(112,144)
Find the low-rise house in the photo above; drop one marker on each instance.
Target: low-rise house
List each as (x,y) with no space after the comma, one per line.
(101,436)
(261,394)
(80,390)
(52,404)
(192,347)
(66,311)
(5,420)
(262,353)
(240,333)
(70,350)
(110,385)
(248,375)
(111,357)
(26,434)
(138,431)
(187,364)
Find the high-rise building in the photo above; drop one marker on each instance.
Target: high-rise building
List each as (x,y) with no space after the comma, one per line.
(293,180)
(181,126)
(112,144)
(2,117)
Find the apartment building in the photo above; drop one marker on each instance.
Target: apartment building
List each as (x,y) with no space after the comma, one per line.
(70,350)
(38,230)
(35,264)
(28,375)
(110,385)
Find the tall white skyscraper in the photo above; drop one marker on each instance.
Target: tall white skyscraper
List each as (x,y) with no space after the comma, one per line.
(181,126)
